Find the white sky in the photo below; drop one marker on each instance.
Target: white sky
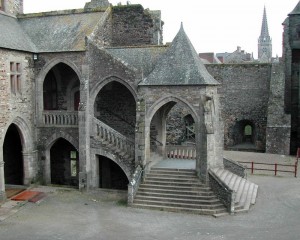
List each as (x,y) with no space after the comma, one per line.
(212,25)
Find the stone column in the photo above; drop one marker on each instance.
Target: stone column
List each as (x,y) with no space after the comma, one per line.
(84,131)
(30,166)
(2,177)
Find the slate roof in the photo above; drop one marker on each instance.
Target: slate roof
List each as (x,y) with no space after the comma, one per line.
(296,9)
(141,58)
(12,35)
(60,32)
(180,65)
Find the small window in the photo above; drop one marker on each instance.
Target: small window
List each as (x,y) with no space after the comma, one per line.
(15,78)
(73,163)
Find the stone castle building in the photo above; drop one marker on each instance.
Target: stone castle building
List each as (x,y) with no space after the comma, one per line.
(87,95)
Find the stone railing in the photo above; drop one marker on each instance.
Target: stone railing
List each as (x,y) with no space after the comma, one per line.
(234,167)
(134,184)
(181,152)
(223,191)
(60,118)
(111,137)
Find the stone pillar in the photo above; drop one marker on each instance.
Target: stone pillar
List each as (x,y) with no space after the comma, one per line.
(30,166)
(142,134)
(2,177)
(84,131)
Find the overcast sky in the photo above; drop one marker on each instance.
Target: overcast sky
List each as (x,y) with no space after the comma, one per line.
(212,25)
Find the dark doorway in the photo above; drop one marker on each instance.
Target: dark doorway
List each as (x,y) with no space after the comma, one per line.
(64,163)
(111,176)
(13,157)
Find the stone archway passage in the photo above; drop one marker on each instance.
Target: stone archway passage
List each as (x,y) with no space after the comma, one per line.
(13,157)
(111,175)
(64,163)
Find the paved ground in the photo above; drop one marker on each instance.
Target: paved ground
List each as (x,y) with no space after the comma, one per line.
(68,214)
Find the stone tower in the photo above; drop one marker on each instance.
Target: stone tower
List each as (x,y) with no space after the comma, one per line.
(12,7)
(264,41)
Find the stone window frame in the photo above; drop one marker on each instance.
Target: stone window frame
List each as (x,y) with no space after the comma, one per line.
(15,73)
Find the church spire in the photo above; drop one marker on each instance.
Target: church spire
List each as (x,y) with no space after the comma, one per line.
(264,25)
(264,41)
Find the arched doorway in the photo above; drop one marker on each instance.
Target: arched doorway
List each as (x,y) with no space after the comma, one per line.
(61,89)
(64,163)
(115,106)
(13,157)
(111,175)
(167,129)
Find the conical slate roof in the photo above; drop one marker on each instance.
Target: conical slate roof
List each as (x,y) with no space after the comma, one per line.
(296,9)
(180,65)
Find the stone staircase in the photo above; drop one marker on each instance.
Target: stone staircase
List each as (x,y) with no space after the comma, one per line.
(246,191)
(112,140)
(176,190)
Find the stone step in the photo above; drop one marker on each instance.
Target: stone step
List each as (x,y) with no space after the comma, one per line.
(173,170)
(182,200)
(201,211)
(254,194)
(228,178)
(237,184)
(232,180)
(249,197)
(178,204)
(223,175)
(244,194)
(179,194)
(176,187)
(172,178)
(170,174)
(189,192)
(240,190)
(174,183)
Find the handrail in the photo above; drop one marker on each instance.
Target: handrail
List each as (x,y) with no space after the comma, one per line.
(275,170)
(222,190)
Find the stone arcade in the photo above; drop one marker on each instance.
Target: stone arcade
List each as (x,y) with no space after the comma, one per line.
(85,96)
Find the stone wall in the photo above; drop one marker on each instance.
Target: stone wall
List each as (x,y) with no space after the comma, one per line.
(17,105)
(132,26)
(13,7)
(244,95)
(176,127)
(291,56)
(279,123)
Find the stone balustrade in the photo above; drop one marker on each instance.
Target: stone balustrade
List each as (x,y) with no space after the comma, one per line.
(60,118)
(116,140)
(181,152)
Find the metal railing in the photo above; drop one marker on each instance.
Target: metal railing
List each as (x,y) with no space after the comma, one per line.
(181,152)
(271,167)
(61,118)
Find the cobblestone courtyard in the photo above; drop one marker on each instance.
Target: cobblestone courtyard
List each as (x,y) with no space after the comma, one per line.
(69,214)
